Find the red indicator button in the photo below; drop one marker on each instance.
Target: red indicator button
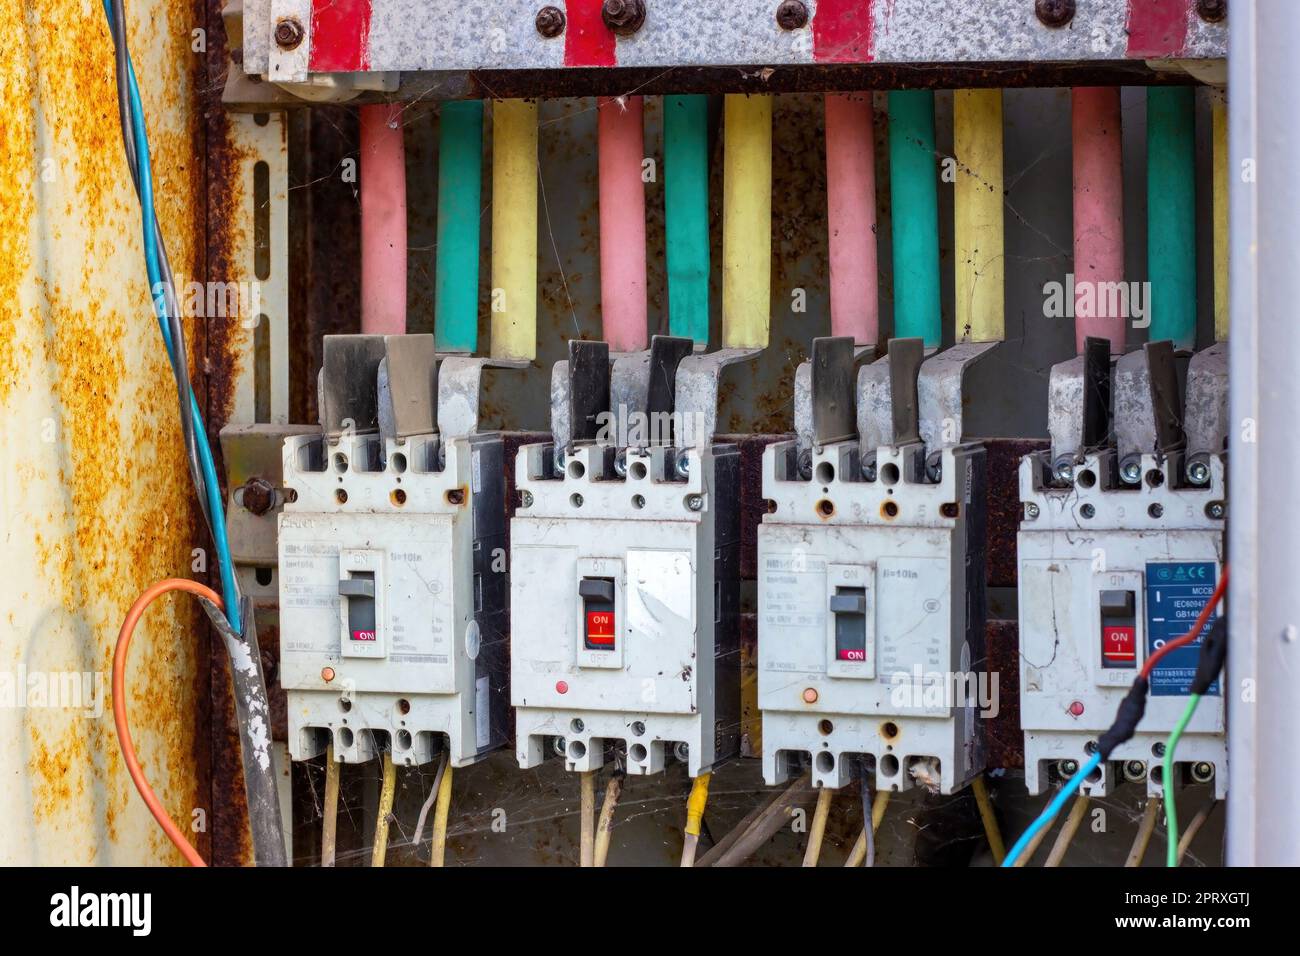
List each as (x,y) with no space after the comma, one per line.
(1119,645)
(561,687)
(600,629)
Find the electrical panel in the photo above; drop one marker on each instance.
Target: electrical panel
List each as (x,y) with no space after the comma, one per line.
(870,585)
(624,575)
(391,558)
(1120,549)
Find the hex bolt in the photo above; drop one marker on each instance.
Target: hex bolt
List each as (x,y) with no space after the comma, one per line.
(288,33)
(550,22)
(1054,13)
(792,15)
(623,17)
(1212,11)
(695,502)
(257,496)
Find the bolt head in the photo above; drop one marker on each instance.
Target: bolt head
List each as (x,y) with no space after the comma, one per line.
(257,496)
(1216,510)
(526,499)
(623,17)
(288,33)
(792,15)
(1212,11)
(550,22)
(1131,472)
(695,502)
(1069,768)
(683,463)
(1054,13)
(1031,510)
(1198,472)
(1064,471)
(620,464)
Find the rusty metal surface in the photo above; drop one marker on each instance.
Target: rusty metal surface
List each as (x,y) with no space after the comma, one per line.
(1003,515)
(95,499)
(1004,740)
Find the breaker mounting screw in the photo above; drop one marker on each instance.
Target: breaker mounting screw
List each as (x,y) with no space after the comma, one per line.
(288,33)
(550,22)
(623,17)
(526,499)
(1031,510)
(1216,510)
(695,502)
(257,496)
(1054,13)
(792,15)
(1212,11)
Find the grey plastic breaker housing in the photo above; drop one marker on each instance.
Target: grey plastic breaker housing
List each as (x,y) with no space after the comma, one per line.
(664,542)
(409,535)
(902,558)
(1084,544)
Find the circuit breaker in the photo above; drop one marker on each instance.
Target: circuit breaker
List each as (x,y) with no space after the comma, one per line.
(392,567)
(624,561)
(871,580)
(1120,548)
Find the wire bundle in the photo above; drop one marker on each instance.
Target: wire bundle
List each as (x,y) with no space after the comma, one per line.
(162,288)
(1129,715)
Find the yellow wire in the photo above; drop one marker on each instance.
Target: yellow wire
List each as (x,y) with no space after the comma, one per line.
(330,827)
(989,819)
(380,849)
(818,831)
(977,212)
(1068,830)
(606,822)
(1145,829)
(858,855)
(695,805)
(1219,116)
(514,229)
(587,842)
(441,810)
(746,220)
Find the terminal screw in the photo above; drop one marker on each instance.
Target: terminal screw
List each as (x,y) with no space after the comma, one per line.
(1054,13)
(695,502)
(1068,768)
(526,499)
(288,33)
(1203,772)
(1135,771)
(1212,11)
(550,22)
(1131,471)
(1198,472)
(792,15)
(1216,510)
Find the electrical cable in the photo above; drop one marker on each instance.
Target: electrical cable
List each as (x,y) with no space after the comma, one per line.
(1053,808)
(119,705)
(386,793)
(161,280)
(330,812)
(864,849)
(695,805)
(1145,828)
(868,824)
(613,791)
(587,822)
(1068,830)
(438,850)
(1167,780)
(992,833)
(818,832)
(1194,828)
(1195,632)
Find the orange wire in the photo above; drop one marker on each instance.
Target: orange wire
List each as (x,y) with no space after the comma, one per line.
(1196,628)
(119,706)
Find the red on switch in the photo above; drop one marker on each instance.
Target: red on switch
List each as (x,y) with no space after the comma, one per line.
(600,628)
(1119,645)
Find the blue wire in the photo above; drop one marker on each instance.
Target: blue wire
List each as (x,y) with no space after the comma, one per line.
(154,271)
(1053,809)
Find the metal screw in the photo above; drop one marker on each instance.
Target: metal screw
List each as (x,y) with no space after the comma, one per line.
(1156,510)
(1198,472)
(682,751)
(1054,13)
(934,468)
(683,464)
(1203,772)
(1135,770)
(1216,510)
(1031,510)
(288,33)
(550,22)
(695,502)
(559,746)
(624,17)
(1131,472)
(869,470)
(258,496)
(1087,511)
(527,499)
(558,459)
(1212,11)
(1064,471)
(805,465)
(1069,768)
(792,15)
(1158,749)
(620,464)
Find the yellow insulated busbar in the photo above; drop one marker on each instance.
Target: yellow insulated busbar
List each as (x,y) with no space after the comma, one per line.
(747,221)
(514,229)
(981,262)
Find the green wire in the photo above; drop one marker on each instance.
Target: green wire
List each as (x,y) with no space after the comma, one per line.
(1167,778)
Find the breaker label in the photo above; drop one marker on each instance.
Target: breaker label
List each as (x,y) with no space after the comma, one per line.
(1176,593)
(792,602)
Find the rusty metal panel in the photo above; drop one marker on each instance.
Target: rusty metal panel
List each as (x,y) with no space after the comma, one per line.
(95,494)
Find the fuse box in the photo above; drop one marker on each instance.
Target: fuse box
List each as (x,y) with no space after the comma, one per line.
(1120,548)
(871,587)
(391,554)
(624,562)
